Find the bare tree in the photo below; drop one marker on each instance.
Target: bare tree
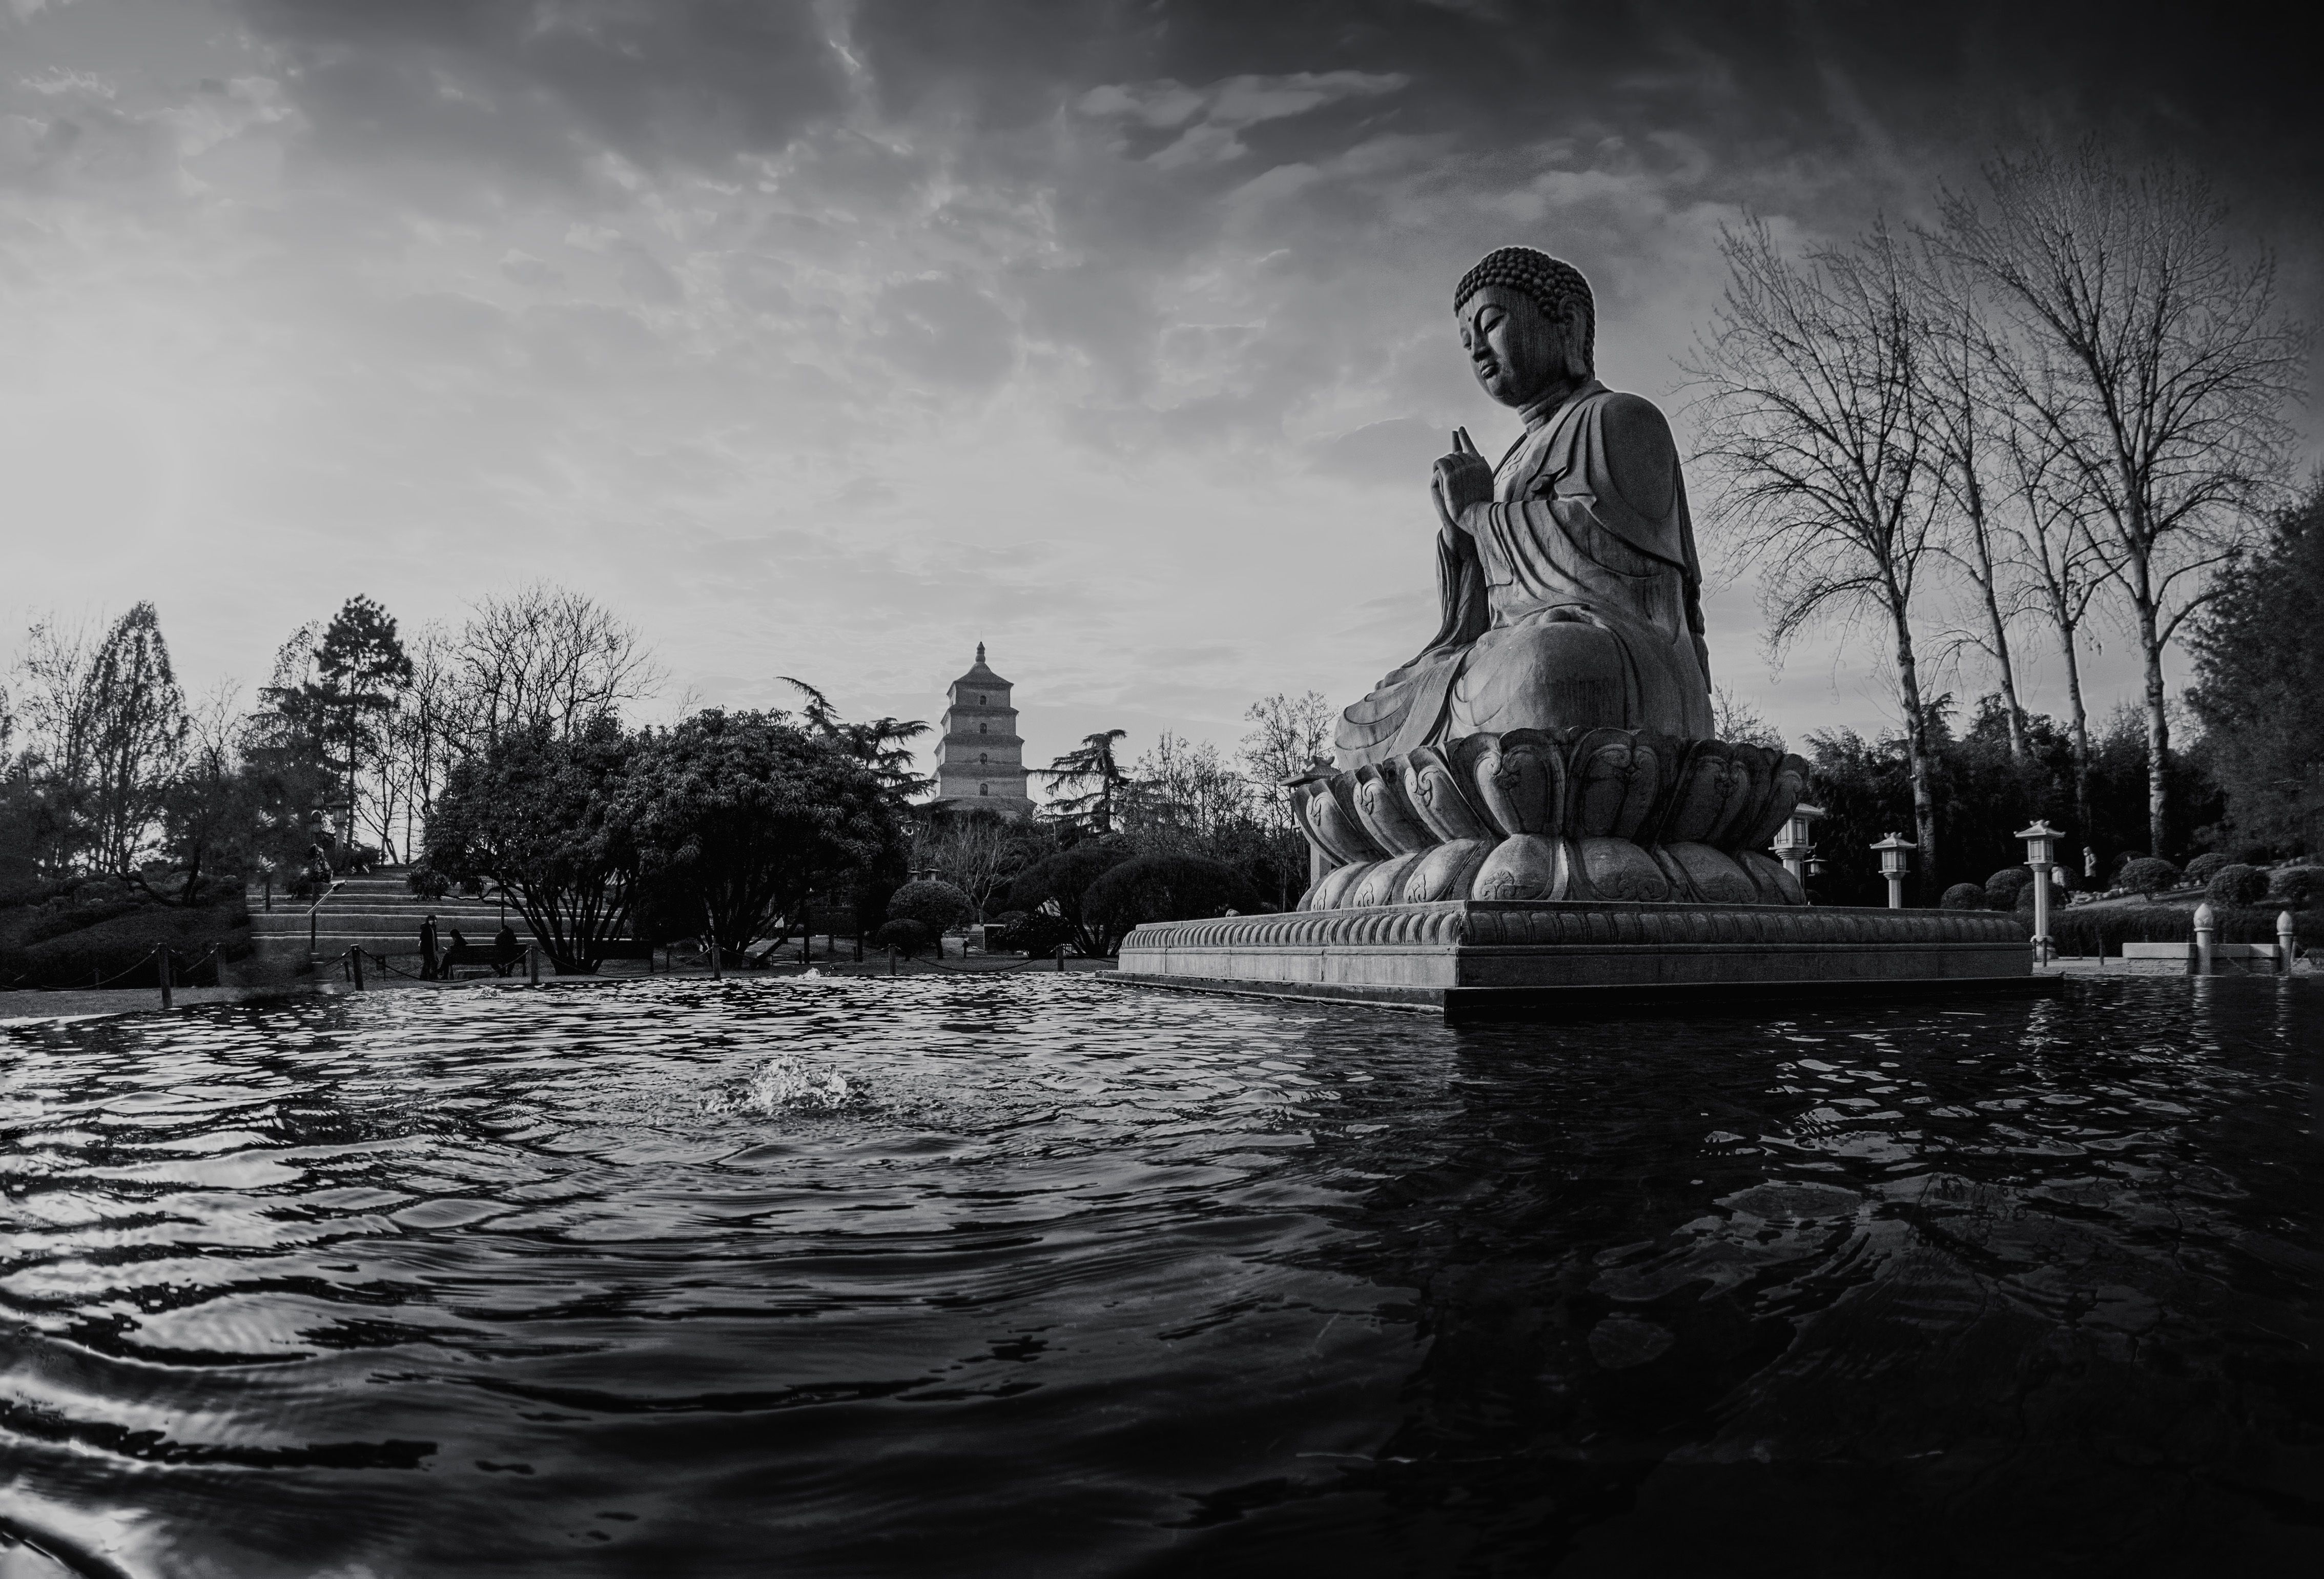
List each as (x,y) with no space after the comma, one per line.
(422,736)
(1962,401)
(1183,793)
(2163,371)
(977,852)
(1809,392)
(208,818)
(2064,564)
(1291,736)
(1735,718)
(105,723)
(59,725)
(550,659)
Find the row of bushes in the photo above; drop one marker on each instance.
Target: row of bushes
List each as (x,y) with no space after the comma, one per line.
(1087,898)
(2226,881)
(52,946)
(2088,930)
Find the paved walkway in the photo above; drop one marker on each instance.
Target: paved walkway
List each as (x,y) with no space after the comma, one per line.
(2114,965)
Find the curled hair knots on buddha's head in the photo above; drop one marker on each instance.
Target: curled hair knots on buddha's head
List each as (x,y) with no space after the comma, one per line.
(1556,287)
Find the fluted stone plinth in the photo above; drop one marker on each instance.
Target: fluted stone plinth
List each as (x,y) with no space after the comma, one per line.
(1463,954)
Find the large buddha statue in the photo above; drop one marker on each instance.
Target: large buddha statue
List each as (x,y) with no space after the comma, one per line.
(1567,575)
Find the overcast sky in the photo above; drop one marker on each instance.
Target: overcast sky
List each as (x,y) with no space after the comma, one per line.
(829,339)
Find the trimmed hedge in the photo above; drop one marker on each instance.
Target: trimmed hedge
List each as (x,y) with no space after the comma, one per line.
(2105,928)
(2204,868)
(2296,888)
(2149,875)
(1962,896)
(2236,885)
(2002,888)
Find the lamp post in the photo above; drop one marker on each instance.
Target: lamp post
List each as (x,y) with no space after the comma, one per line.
(1797,846)
(2040,850)
(1891,851)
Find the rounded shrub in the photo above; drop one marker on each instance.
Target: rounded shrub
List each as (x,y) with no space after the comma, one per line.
(1962,896)
(1167,888)
(1065,876)
(2236,885)
(1058,884)
(2205,867)
(428,884)
(937,906)
(2296,888)
(2148,875)
(2001,889)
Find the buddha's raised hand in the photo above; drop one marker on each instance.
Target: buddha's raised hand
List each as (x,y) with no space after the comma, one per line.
(1464,478)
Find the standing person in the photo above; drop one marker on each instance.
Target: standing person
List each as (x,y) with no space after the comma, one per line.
(428,948)
(504,949)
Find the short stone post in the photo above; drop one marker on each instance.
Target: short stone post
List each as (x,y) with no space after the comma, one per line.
(2287,939)
(354,965)
(166,983)
(2207,936)
(532,962)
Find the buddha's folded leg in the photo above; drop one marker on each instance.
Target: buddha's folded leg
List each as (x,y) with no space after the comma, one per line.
(1547,673)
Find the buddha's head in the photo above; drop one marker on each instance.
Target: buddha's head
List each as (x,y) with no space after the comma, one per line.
(1527,322)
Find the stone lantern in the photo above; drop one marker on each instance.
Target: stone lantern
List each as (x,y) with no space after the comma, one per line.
(1797,848)
(2041,853)
(1892,852)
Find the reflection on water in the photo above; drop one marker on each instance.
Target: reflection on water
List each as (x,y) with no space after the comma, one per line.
(1038,1275)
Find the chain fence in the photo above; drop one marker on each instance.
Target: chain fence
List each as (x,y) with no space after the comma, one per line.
(181,973)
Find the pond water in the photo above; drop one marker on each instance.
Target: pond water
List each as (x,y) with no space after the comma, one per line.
(1041,1275)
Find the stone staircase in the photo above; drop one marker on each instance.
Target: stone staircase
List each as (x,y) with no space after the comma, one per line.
(378,911)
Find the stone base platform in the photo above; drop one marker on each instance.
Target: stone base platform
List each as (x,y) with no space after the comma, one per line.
(1464,957)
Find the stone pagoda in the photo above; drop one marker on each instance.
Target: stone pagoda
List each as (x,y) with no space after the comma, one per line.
(981,759)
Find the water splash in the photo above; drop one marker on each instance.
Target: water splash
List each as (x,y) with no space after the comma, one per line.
(787,1084)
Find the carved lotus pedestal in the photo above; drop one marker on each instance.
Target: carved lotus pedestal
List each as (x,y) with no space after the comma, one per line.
(1504,870)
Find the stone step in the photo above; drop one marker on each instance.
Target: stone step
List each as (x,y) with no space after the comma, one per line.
(446,914)
(395,944)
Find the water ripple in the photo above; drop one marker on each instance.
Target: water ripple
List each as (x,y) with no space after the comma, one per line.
(1038,1275)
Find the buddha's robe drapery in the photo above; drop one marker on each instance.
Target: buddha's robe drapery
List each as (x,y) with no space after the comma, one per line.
(1573,598)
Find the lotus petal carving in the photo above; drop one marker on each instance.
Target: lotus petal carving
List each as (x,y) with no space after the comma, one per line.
(1578,814)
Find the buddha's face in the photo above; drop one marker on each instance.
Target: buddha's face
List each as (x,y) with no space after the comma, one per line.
(1516,351)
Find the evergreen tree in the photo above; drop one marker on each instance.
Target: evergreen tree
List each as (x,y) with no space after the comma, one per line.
(360,667)
(1094,776)
(2259,683)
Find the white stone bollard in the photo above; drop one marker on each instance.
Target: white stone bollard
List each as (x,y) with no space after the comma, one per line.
(2207,935)
(2287,938)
